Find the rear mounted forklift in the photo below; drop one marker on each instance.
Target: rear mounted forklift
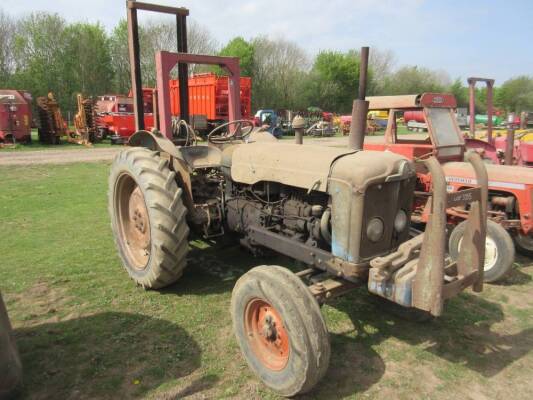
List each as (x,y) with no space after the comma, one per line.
(345,213)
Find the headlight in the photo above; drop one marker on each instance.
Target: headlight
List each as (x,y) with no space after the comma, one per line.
(400,221)
(374,229)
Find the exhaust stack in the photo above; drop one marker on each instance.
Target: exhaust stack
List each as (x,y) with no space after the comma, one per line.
(360,106)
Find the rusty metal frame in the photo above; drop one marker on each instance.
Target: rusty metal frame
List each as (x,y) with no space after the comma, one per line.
(318,258)
(165,62)
(135,54)
(429,287)
(472,103)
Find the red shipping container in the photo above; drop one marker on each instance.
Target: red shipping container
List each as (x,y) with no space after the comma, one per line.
(208,95)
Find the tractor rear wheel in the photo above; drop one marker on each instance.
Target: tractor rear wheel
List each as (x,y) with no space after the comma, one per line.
(499,250)
(524,244)
(148,218)
(280,329)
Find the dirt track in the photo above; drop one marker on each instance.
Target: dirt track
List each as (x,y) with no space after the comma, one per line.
(104,154)
(57,156)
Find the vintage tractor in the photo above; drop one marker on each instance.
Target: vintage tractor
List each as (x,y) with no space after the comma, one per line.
(343,212)
(510,187)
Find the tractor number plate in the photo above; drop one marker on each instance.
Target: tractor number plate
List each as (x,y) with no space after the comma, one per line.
(463,197)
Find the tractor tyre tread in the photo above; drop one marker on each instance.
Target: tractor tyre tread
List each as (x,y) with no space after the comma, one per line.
(167,216)
(311,340)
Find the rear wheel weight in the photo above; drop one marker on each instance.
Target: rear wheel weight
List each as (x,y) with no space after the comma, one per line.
(280,330)
(147,218)
(499,250)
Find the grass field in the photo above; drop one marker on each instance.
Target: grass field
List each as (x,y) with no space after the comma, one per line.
(85,331)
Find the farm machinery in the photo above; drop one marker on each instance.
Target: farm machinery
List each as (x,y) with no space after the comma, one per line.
(505,149)
(15,117)
(115,119)
(52,126)
(345,213)
(510,194)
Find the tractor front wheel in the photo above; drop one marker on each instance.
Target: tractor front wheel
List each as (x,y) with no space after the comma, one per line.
(499,250)
(280,329)
(148,218)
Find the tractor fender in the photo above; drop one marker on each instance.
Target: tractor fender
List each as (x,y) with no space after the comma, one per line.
(156,141)
(485,149)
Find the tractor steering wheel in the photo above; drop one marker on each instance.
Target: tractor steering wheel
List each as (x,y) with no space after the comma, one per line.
(221,134)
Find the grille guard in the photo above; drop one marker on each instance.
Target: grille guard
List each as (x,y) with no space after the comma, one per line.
(418,274)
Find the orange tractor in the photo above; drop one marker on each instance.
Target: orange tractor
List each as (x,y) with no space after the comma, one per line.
(510,194)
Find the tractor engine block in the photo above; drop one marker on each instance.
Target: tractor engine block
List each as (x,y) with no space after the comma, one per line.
(282,209)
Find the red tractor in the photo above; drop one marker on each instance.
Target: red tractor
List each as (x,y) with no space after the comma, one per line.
(510,187)
(115,115)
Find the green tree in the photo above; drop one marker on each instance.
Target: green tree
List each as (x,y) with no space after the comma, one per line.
(414,79)
(238,47)
(278,68)
(118,47)
(516,94)
(460,92)
(7,35)
(38,57)
(334,80)
(86,60)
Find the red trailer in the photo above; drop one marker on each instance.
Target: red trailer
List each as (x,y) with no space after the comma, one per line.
(15,116)
(208,98)
(115,115)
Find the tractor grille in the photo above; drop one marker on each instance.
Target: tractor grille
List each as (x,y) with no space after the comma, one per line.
(384,201)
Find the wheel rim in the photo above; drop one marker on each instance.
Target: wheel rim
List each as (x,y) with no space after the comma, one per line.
(267,335)
(526,241)
(133,221)
(491,253)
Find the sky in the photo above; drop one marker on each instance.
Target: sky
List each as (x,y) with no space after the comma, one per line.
(491,38)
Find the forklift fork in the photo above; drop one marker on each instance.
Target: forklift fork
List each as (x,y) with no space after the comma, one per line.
(432,284)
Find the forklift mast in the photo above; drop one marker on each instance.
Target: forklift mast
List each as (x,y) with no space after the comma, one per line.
(135,59)
(165,62)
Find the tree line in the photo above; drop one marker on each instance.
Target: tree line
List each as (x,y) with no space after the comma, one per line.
(42,52)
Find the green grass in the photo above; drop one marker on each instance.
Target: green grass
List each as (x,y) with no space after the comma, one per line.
(84,330)
(36,145)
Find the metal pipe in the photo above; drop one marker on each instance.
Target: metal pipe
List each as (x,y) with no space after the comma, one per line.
(483,182)
(298,124)
(363,71)
(509,146)
(490,110)
(356,137)
(155,109)
(135,67)
(523,120)
(472,103)
(183,68)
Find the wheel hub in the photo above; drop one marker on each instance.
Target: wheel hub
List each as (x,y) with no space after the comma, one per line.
(491,253)
(267,334)
(134,222)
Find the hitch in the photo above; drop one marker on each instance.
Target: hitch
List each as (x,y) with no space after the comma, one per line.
(418,274)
